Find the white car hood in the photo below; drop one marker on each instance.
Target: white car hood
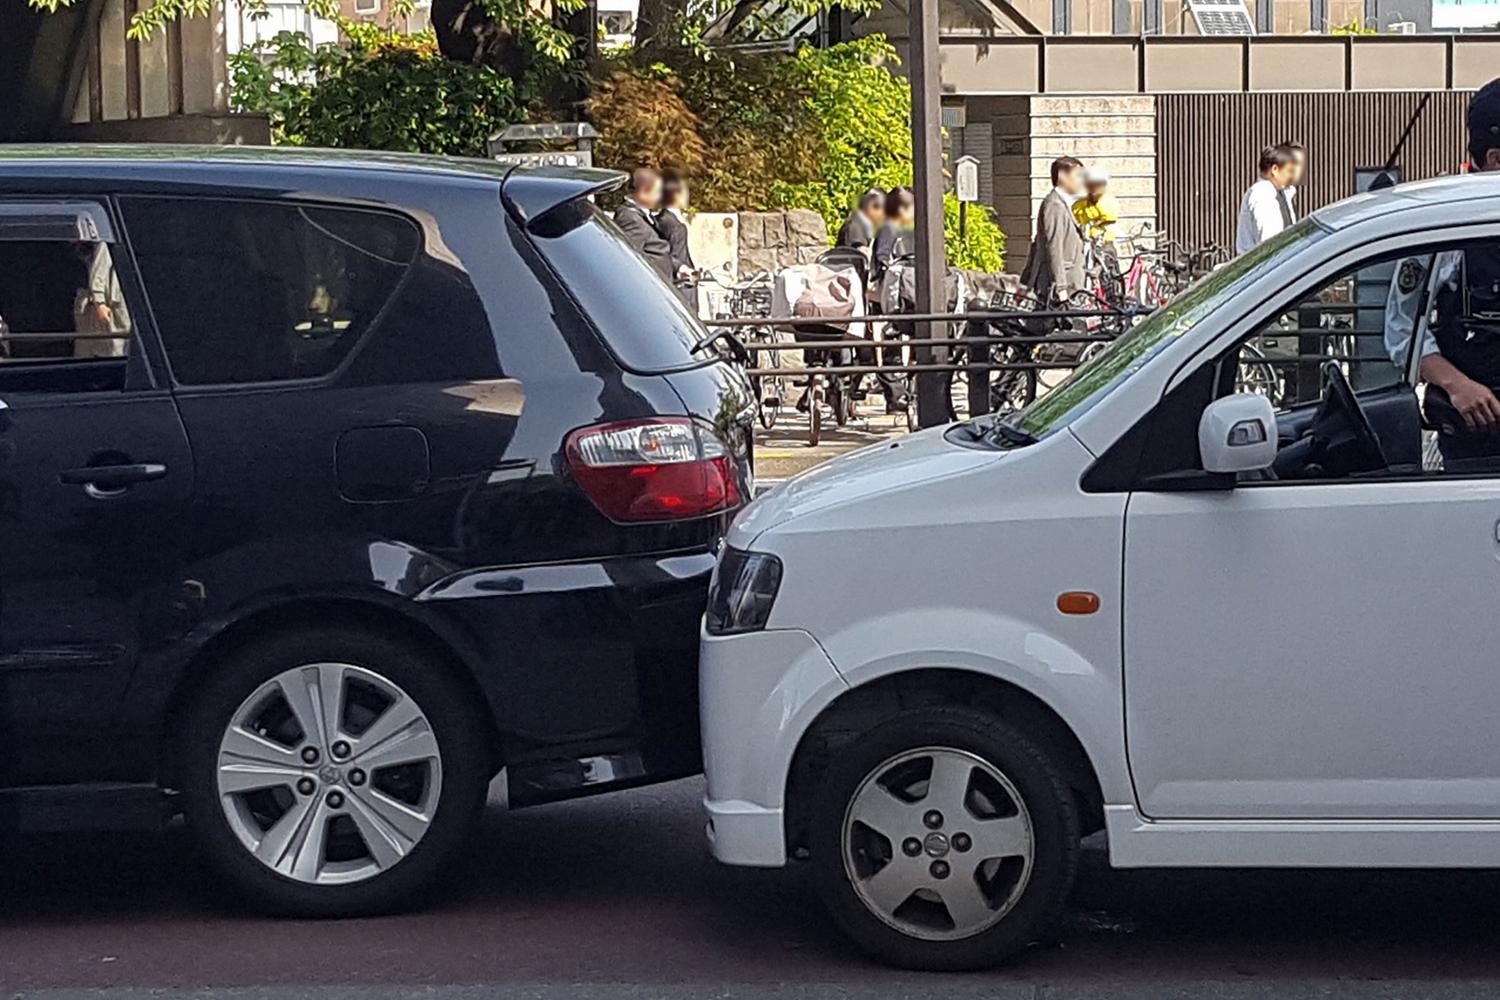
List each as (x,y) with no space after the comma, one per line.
(859,475)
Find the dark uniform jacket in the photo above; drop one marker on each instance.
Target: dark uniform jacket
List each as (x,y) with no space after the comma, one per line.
(641,232)
(891,242)
(855,232)
(675,231)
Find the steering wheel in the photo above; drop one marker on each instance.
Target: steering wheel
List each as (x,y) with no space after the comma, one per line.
(1368,455)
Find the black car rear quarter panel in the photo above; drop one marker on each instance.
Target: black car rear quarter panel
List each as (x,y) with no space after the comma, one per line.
(579,634)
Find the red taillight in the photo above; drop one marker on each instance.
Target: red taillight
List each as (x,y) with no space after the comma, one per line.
(663,469)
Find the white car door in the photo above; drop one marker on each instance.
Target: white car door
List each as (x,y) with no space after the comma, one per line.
(1321,648)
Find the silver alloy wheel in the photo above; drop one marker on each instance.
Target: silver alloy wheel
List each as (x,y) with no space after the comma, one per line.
(938,843)
(329,774)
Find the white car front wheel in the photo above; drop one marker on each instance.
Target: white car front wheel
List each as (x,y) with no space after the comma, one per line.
(944,839)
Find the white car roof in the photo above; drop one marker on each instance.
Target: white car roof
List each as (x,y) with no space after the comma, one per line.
(1466,197)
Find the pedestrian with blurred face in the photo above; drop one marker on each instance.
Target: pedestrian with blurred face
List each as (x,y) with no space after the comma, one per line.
(1097,211)
(894,238)
(1299,170)
(864,222)
(636,218)
(1266,207)
(672,221)
(1055,265)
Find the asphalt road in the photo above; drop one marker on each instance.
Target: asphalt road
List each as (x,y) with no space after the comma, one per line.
(616,897)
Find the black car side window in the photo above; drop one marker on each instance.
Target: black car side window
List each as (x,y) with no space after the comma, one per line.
(251,291)
(65,324)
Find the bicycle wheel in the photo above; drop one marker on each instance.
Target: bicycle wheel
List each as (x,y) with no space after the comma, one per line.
(814,417)
(1255,374)
(771,401)
(770,393)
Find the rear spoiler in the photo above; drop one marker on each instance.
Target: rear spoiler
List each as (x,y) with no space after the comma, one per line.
(530,193)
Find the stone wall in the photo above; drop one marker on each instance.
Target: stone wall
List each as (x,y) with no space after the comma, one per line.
(1116,132)
(769,241)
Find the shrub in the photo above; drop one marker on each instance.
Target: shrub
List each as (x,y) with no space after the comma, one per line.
(862,116)
(733,125)
(394,92)
(643,119)
(863,113)
(983,247)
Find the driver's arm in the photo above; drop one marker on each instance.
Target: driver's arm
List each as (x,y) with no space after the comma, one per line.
(1474,402)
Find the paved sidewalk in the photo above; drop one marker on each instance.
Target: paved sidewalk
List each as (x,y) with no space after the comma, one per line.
(783,451)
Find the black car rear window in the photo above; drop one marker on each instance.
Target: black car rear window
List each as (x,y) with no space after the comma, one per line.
(640,316)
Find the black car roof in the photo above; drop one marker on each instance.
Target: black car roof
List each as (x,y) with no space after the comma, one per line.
(532,190)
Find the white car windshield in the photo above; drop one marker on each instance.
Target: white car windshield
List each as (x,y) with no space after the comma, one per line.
(1098,377)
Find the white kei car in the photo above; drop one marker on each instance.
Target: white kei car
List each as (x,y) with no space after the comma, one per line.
(1225,631)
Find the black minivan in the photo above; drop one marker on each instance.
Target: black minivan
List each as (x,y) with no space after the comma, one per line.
(331,487)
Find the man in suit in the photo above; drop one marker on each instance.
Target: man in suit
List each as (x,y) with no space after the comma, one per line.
(1054,267)
(864,222)
(672,222)
(636,218)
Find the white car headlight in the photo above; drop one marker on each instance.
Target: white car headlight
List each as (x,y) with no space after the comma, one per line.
(742,591)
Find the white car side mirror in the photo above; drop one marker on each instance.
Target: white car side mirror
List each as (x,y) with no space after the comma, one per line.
(1238,433)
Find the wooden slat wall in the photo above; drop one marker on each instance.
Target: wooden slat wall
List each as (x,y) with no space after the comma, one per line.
(1207,146)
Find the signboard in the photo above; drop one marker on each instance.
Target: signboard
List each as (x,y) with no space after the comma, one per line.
(966,178)
(1465,15)
(546,130)
(567,158)
(580,134)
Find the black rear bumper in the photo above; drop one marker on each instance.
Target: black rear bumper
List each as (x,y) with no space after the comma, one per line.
(590,669)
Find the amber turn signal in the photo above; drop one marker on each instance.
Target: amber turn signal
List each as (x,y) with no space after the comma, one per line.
(1078,602)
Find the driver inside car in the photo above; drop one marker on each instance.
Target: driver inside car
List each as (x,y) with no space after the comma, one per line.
(1460,348)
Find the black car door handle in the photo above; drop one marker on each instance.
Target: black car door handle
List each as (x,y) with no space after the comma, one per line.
(113,477)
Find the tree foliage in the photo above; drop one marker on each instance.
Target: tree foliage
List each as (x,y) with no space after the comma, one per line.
(859,115)
(151,18)
(814,130)
(733,125)
(752,130)
(379,92)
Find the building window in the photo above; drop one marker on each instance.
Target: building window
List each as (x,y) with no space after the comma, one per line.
(367,6)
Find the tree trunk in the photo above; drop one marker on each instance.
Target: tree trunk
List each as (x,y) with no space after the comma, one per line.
(465,33)
(652,20)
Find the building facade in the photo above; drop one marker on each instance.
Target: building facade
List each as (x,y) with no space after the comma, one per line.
(1178,121)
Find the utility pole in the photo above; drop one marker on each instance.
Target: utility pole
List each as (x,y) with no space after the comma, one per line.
(927,154)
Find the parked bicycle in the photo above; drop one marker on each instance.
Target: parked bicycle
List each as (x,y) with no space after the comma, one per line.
(747,299)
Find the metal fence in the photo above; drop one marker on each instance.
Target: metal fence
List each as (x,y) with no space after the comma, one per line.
(982,354)
(977,350)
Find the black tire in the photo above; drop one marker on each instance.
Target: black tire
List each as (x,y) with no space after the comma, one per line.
(1054,820)
(814,420)
(461,740)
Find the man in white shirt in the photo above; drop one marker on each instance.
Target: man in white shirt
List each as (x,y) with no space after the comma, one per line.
(1266,208)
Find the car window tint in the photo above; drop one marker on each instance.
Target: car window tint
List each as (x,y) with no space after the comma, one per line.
(246,291)
(641,318)
(62,302)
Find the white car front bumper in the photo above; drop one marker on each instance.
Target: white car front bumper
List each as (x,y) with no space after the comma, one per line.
(758,693)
